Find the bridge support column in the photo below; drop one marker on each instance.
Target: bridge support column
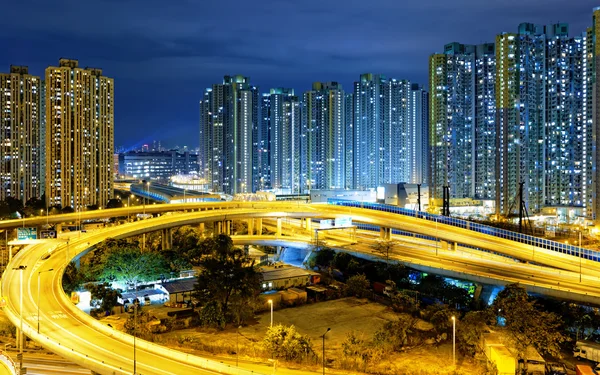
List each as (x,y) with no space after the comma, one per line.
(308,224)
(278,227)
(250,227)
(227,227)
(258,226)
(201,229)
(218,225)
(385,233)
(167,239)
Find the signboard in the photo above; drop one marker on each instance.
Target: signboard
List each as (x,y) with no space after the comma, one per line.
(26,234)
(48,234)
(340,222)
(326,224)
(343,222)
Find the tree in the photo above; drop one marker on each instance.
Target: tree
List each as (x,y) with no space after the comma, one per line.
(394,336)
(131,266)
(109,297)
(527,325)
(227,273)
(322,256)
(92,264)
(286,342)
(469,330)
(384,248)
(358,286)
(341,261)
(72,279)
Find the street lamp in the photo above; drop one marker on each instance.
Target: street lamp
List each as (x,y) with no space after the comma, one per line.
(453,340)
(135,307)
(38,299)
(328,329)
(20,338)
(271,303)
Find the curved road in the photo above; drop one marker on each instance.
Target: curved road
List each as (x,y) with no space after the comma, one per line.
(67,331)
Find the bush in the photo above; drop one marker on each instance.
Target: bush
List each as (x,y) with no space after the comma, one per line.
(285,342)
(358,286)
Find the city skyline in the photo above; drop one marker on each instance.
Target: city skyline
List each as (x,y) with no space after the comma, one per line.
(166,68)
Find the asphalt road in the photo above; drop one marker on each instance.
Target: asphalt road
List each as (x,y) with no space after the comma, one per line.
(81,339)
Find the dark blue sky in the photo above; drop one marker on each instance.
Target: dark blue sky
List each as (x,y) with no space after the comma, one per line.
(163,54)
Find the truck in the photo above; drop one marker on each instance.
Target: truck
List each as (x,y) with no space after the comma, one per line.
(532,363)
(587,350)
(584,370)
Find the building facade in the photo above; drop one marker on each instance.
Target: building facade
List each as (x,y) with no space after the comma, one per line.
(79,135)
(519,111)
(157,165)
(20,119)
(323,137)
(280,141)
(229,136)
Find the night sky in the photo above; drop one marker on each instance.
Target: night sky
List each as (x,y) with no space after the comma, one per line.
(163,54)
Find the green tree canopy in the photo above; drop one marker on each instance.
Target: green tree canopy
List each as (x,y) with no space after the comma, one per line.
(528,325)
(109,297)
(131,266)
(226,272)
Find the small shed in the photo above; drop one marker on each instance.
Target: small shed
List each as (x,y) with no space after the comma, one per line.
(180,290)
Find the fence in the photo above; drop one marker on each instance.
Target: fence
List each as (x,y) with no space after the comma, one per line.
(480,228)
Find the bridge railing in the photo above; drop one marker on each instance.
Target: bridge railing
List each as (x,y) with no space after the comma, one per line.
(480,228)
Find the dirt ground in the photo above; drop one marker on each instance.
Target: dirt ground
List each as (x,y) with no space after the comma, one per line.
(342,316)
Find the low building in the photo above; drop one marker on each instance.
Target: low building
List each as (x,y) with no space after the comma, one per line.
(283,277)
(180,290)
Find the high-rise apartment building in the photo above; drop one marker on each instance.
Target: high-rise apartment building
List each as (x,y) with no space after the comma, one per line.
(350,172)
(451,82)
(517,112)
(229,136)
(418,130)
(323,137)
(390,120)
(19,128)
(280,140)
(369,130)
(79,135)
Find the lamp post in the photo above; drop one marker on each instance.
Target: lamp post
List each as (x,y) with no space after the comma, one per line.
(271,303)
(38,298)
(323,336)
(453,340)
(20,338)
(135,307)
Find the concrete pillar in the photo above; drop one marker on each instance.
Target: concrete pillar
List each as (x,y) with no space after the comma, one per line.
(201,229)
(259,226)
(382,233)
(250,227)
(218,227)
(455,246)
(227,227)
(308,222)
(278,227)
(167,239)
(385,233)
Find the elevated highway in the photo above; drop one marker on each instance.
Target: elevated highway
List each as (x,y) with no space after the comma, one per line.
(74,335)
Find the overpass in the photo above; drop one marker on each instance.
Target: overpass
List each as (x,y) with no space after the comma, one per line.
(69,332)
